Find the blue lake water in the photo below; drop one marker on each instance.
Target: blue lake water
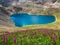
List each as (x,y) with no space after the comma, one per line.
(24,19)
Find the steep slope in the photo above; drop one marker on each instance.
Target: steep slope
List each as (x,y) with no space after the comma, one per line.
(5,18)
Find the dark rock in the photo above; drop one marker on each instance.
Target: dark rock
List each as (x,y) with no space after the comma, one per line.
(17,9)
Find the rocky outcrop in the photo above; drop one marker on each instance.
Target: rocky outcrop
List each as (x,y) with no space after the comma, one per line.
(44,1)
(5,13)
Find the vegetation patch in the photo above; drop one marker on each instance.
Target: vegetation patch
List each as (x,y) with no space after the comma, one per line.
(31,37)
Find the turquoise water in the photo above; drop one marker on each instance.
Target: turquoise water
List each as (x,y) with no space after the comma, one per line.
(24,19)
